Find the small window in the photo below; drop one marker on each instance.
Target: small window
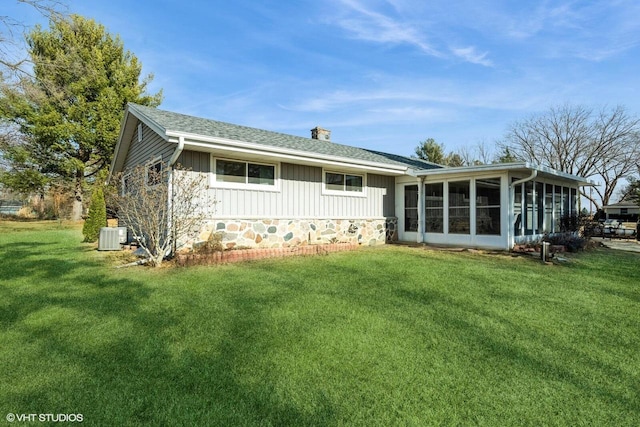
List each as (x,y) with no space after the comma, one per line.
(126,184)
(238,172)
(154,173)
(344,182)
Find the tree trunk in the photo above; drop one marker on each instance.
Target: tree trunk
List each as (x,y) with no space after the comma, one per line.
(76,211)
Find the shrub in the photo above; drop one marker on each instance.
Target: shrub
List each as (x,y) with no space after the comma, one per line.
(572,242)
(97,217)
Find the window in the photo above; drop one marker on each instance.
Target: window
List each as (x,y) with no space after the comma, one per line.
(517,209)
(459,208)
(238,172)
(548,208)
(411,208)
(434,208)
(528,208)
(557,208)
(540,206)
(154,173)
(488,206)
(344,182)
(573,202)
(126,184)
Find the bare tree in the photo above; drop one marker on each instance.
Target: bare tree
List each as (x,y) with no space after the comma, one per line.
(479,154)
(602,145)
(12,61)
(161,206)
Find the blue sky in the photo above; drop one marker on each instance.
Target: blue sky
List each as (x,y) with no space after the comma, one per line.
(380,74)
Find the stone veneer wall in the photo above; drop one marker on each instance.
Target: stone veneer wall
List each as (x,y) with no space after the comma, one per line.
(284,233)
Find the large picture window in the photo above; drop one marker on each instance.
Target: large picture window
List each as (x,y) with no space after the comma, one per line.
(238,172)
(335,181)
(459,205)
(434,208)
(488,206)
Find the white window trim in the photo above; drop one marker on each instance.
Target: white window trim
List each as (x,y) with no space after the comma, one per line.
(123,180)
(214,183)
(343,193)
(149,164)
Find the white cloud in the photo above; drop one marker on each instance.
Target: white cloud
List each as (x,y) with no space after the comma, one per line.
(366,23)
(470,54)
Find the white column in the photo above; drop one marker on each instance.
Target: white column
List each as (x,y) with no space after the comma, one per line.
(420,237)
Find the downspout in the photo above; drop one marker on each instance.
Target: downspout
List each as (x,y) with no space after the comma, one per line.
(172,162)
(420,238)
(512,196)
(176,154)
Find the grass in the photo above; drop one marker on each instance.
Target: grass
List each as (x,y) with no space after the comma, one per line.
(382,336)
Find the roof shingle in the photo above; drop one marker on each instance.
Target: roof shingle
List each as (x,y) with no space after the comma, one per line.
(182,123)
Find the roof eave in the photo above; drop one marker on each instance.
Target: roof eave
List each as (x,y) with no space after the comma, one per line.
(206,143)
(127,128)
(502,167)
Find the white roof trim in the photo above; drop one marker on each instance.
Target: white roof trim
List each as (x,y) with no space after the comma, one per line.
(500,167)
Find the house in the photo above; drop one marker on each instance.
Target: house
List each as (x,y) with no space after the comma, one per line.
(276,190)
(624,211)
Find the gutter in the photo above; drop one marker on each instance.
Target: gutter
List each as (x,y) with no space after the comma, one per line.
(216,143)
(534,174)
(176,154)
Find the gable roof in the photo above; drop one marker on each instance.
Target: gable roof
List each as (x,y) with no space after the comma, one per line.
(205,132)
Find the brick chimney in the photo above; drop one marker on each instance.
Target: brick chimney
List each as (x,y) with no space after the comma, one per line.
(320,134)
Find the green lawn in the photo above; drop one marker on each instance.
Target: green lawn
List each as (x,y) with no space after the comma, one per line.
(380,336)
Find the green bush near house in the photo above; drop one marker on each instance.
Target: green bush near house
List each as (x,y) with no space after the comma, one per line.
(97,216)
(380,336)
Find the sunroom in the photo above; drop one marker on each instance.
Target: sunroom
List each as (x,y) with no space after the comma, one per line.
(487,206)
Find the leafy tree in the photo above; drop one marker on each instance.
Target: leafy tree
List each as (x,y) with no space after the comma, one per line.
(604,144)
(97,217)
(454,160)
(506,156)
(631,192)
(430,151)
(69,112)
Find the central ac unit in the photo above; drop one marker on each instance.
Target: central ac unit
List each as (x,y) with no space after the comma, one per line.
(111,238)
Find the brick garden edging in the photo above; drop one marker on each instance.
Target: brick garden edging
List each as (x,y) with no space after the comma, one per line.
(240,255)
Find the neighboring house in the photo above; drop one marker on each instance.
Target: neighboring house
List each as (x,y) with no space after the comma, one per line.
(624,211)
(273,190)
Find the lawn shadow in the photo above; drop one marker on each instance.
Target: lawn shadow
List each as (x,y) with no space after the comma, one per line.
(81,338)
